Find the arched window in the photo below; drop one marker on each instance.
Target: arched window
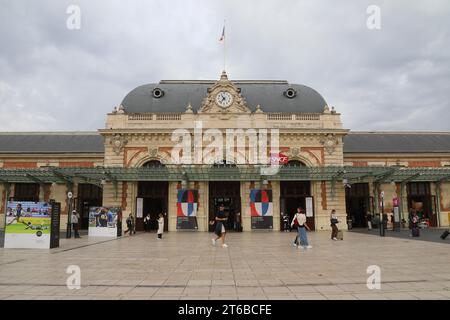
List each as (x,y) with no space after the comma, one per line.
(295,163)
(153,164)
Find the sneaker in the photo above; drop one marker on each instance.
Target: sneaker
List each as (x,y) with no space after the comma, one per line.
(308,247)
(213,242)
(225,245)
(294,244)
(335,239)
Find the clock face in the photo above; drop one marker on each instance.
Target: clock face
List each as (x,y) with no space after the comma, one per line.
(224,99)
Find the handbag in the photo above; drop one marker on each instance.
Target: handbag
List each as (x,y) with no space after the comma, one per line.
(295,224)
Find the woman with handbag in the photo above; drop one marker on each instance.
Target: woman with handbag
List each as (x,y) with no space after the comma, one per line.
(334,221)
(300,220)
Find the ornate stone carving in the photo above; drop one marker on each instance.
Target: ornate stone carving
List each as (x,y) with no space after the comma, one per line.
(329,142)
(153,152)
(118,142)
(295,152)
(238,105)
(189,109)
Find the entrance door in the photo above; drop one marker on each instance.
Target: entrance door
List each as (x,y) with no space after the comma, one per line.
(357,202)
(228,194)
(293,194)
(155,197)
(89,195)
(420,200)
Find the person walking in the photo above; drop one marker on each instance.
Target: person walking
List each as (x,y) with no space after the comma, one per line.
(147,223)
(75,218)
(220,231)
(285,222)
(129,225)
(294,226)
(334,221)
(415,232)
(369,220)
(160,226)
(300,216)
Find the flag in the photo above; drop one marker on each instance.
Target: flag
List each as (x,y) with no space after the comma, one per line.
(222,38)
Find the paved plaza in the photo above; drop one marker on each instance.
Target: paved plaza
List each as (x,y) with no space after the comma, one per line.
(256,265)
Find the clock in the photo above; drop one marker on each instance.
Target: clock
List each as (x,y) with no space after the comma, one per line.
(224,99)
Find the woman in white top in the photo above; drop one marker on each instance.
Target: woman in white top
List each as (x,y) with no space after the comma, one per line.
(160,225)
(300,220)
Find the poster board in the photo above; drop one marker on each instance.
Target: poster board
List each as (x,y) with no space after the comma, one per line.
(309,207)
(28,225)
(187,206)
(139,207)
(103,221)
(261,209)
(55,225)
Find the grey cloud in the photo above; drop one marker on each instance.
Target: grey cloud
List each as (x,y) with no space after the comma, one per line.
(52,78)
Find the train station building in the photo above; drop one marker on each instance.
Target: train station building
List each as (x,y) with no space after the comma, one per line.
(173,147)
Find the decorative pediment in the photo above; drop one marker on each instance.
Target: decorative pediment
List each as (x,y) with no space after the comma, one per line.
(224,98)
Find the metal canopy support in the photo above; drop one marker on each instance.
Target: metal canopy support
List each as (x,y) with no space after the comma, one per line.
(383,176)
(39,181)
(438,204)
(411,178)
(64,177)
(444,178)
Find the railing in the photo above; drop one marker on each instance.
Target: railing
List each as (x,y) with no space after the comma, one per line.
(279,116)
(140,116)
(307,116)
(150,116)
(297,116)
(168,116)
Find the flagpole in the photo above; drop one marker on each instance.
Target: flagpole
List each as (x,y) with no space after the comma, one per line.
(224,46)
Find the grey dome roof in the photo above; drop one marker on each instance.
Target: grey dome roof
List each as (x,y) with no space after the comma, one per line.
(268,94)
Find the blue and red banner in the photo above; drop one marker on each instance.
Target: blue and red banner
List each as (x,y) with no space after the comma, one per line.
(260,203)
(187,205)
(261,208)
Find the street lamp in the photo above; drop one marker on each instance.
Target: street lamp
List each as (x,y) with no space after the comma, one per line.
(69,217)
(382,215)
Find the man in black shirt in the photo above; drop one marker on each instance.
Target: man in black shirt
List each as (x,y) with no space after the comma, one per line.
(221,218)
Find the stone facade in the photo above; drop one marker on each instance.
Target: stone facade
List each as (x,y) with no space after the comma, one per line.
(315,139)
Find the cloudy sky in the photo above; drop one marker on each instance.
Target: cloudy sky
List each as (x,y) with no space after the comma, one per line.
(54,78)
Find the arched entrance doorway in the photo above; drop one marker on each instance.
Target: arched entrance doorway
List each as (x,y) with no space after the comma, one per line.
(294,194)
(154,195)
(228,194)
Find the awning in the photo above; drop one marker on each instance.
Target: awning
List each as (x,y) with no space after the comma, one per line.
(99,175)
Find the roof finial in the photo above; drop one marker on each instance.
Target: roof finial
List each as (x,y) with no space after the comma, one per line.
(189,108)
(224,75)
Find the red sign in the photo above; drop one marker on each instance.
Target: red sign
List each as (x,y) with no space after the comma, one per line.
(278,158)
(395,202)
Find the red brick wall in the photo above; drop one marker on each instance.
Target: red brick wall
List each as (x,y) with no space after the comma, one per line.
(80,164)
(19,165)
(424,163)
